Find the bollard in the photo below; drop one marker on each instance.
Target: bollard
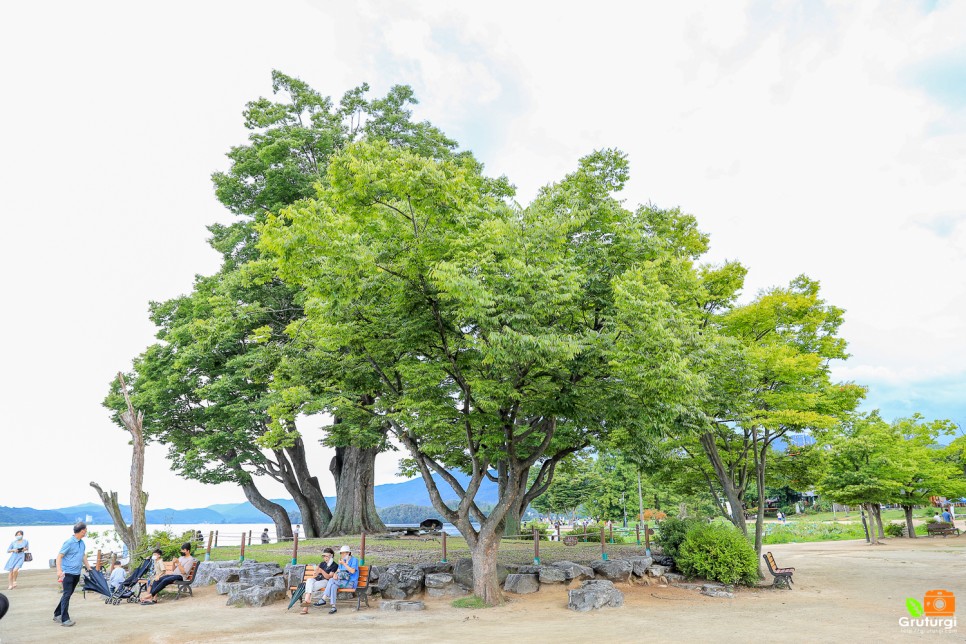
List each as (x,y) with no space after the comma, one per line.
(647,540)
(610,527)
(295,549)
(97,563)
(216,538)
(241,557)
(603,545)
(211,535)
(637,528)
(444,546)
(362,550)
(536,548)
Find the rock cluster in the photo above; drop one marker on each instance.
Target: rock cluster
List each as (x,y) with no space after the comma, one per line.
(594,594)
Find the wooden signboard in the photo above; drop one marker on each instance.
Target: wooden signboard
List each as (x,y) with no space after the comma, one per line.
(570,540)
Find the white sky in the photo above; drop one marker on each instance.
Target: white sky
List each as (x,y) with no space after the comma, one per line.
(825,139)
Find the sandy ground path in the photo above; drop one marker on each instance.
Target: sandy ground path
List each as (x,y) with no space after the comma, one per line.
(844,591)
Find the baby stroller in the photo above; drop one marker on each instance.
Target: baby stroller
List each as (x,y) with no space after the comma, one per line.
(127,588)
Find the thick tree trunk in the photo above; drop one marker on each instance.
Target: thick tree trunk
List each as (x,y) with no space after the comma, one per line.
(278,514)
(910,528)
(878,520)
(355,507)
(124,532)
(513,522)
(486,583)
(873,536)
(760,480)
(293,473)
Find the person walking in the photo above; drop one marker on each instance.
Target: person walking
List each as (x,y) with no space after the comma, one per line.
(18,550)
(71,558)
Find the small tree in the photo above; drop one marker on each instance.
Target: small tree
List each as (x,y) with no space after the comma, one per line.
(132,535)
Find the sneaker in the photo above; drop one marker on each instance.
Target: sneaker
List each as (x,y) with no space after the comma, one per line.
(57,618)
(332,610)
(69,622)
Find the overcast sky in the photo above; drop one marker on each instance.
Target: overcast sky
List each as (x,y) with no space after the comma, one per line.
(826,139)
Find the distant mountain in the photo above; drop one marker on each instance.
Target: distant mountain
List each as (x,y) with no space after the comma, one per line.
(411,493)
(30,516)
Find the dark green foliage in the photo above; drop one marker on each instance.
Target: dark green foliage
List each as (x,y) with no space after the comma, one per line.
(671,533)
(894,529)
(718,552)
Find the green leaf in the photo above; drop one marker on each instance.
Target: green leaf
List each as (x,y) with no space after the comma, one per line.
(914,607)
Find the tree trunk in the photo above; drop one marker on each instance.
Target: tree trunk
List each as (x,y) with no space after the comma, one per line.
(873,537)
(513,522)
(640,498)
(355,507)
(878,520)
(710,447)
(486,583)
(910,528)
(278,514)
(124,533)
(293,473)
(760,480)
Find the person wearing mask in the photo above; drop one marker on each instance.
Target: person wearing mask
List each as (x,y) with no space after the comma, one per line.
(326,570)
(346,577)
(70,559)
(18,553)
(182,569)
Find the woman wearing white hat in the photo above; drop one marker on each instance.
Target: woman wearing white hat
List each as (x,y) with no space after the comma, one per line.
(347,577)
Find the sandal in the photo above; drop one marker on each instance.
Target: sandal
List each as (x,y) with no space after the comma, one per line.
(305,610)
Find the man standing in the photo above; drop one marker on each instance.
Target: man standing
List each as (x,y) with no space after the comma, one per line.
(71,558)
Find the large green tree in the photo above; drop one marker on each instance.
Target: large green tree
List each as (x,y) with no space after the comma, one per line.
(503,338)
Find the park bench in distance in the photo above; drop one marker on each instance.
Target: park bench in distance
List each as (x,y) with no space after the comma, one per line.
(945,529)
(783,576)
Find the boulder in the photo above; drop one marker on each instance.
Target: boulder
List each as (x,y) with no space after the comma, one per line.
(294,575)
(640,565)
(438,580)
(714,590)
(401,581)
(521,584)
(401,605)
(527,570)
(223,587)
(374,572)
(433,568)
(613,569)
(246,573)
(272,590)
(656,570)
(594,594)
(674,577)
(463,573)
(203,576)
(453,590)
(552,575)
(664,560)
(574,570)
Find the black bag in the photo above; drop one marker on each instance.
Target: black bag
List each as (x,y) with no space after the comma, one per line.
(28,556)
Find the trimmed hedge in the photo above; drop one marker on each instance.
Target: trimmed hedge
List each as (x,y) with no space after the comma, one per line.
(718,552)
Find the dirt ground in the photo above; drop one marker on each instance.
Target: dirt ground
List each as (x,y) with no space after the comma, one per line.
(843,591)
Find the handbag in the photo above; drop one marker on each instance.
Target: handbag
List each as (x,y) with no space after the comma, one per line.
(28,556)
(344,575)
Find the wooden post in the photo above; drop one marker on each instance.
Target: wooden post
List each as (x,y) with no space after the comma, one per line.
(211,535)
(558,533)
(249,537)
(444,546)
(603,545)
(611,528)
(637,529)
(647,540)
(536,547)
(97,563)
(216,538)
(241,557)
(362,550)
(295,549)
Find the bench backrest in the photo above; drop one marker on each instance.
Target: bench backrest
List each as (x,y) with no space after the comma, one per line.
(770,561)
(363,577)
(309,572)
(194,569)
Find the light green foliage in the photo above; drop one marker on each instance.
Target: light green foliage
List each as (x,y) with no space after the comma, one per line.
(169,543)
(502,338)
(810,531)
(718,552)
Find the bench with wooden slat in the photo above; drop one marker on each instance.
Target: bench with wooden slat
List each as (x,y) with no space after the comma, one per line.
(309,574)
(184,586)
(783,576)
(941,527)
(361,590)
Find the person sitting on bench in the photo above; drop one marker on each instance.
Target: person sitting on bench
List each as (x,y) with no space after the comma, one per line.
(182,568)
(325,571)
(347,576)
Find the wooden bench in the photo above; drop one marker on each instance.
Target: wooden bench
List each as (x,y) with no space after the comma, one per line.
(184,586)
(940,527)
(361,590)
(783,576)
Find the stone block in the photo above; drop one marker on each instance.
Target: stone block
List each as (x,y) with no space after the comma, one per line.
(640,565)
(613,569)
(594,594)
(402,605)
(574,570)
(521,584)
(552,575)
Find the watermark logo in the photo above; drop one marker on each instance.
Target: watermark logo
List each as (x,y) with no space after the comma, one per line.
(936,613)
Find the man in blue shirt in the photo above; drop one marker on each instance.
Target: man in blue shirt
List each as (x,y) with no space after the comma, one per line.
(71,558)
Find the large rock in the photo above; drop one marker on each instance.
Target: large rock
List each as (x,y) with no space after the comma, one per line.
(374,572)
(521,584)
(714,590)
(295,575)
(613,569)
(433,568)
(224,587)
(574,570)
(401,581)
(594,594)
(401,605)
(656,570)
(203,576)
(552,575)
(527,570)
(463,573)
(246,573)
(274,589)
(639,565)
(441,584)
(438,580)
(664,560)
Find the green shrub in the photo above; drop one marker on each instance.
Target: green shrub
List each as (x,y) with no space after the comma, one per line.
(168,542)
(719,553)
(894,529)
(671,532)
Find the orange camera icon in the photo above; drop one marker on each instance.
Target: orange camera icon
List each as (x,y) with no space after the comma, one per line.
(939,603)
